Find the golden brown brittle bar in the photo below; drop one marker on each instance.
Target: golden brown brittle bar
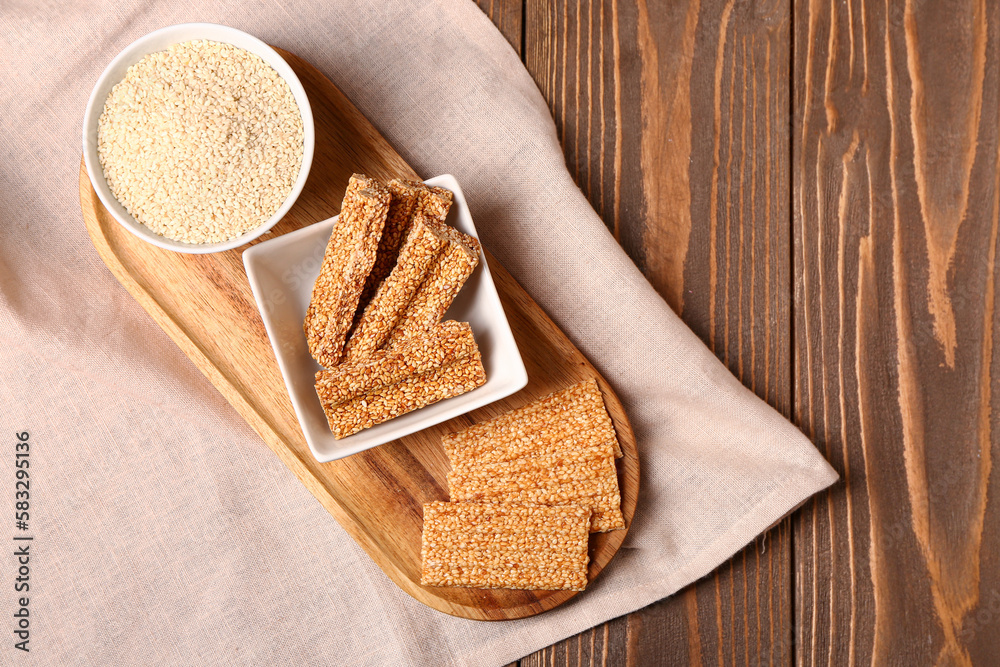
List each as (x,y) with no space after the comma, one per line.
(349,256)
(412,393)
(505,545)
(585,477)
(572,418)
(409,199)
(445,277)
(441,345)
(425,241)
(444,363)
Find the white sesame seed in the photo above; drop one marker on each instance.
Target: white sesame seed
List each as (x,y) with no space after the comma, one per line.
(201,143)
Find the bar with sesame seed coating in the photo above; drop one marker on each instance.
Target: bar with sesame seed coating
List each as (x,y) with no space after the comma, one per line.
(423,244)
(443,344)
(581,477)
(443,363)
(412,393)
(574,417)
(348,259)
(505,545)
(409,199)
(334,258)
(445,277)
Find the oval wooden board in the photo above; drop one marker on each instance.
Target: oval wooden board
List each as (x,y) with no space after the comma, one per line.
(204,303)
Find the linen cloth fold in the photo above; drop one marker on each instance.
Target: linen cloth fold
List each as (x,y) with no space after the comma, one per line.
(167,532)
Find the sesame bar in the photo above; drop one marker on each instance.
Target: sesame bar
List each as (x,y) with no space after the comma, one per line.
(571,418)
(412,393)
(584,477)
(505,545)
(348,259)
(436,203)
(547,440)
(409,199)
(334,258)
(429,368)
(425,240)
(557,468)
(445,278)
(443,344)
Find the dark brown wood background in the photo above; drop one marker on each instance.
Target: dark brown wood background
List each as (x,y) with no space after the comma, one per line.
(815,188)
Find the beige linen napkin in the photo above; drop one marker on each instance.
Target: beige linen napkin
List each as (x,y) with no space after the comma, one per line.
(166,532)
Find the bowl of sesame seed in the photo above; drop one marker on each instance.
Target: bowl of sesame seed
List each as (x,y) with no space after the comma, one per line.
(198,138)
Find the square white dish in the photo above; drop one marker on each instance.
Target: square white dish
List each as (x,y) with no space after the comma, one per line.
(282,272)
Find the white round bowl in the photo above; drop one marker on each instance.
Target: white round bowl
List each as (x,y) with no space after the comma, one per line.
(160,40)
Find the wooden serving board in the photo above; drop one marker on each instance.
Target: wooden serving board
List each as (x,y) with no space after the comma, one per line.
(204,303)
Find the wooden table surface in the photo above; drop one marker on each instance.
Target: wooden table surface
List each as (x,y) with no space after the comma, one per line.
(815,188)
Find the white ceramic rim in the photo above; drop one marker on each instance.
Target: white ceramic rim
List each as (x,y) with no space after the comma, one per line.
(135,52)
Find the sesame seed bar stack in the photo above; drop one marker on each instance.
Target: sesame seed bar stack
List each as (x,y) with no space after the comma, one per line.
(423,244)
(409,200)
(445,278)
(585,477)
(349,257)
(442,363)
(572,418)
(505,545)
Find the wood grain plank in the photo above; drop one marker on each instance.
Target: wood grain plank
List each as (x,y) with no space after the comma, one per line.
(674,119)
(896,210)
(604,645)
(588,69)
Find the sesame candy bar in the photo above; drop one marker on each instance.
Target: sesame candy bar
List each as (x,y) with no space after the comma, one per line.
(445,278)
(435,203)
(429,368)
(334,259)
(584,477)
(413,393)
(505,546)
(474,479)
(443,344)
(348,259)
(425,240)
(569,419)
(409,199)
